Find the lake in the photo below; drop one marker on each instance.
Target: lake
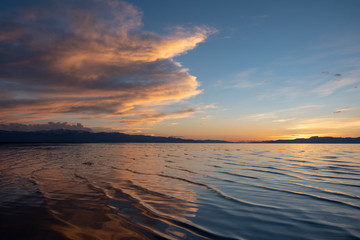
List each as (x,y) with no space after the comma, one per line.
(179,191)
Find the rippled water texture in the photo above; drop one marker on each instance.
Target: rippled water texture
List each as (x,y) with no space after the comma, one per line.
(180,191)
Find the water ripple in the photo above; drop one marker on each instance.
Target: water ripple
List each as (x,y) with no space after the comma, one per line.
(179,191)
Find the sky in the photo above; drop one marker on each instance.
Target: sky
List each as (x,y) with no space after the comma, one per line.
(205,69)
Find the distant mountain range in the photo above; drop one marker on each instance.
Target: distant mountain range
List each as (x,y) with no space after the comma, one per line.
(76,136)
(316,139)
(80,136)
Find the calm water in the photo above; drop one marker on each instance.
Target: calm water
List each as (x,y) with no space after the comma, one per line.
(180,191)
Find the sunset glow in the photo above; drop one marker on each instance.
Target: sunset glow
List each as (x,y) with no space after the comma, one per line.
(233,71)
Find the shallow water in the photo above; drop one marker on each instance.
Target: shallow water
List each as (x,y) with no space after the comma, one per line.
(180,191)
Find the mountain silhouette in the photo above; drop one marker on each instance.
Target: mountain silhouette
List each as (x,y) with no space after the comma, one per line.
(75,136)
(316,139)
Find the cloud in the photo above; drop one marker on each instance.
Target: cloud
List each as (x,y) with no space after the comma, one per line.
(324,126)
(210,106)
(335,74)
(336,84)
(249,84)
(291,91)
(342,110)
(89,59)
(243,80)
(155,117)
(42,127)
(284,120)
(327,124)
(282,113)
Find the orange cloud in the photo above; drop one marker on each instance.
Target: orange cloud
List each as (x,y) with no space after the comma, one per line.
(151,118)
(92,61)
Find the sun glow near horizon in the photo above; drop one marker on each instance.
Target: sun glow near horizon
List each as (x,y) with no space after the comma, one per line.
(234,71)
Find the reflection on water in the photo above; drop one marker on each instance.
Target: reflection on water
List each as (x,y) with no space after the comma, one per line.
(180,191)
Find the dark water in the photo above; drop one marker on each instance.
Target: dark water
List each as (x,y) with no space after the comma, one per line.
(180,191)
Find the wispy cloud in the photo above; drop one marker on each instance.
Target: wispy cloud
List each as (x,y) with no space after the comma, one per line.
(327,124)
(278,114)
(151,118)
(243,80)
(205,117)
(292,91)
(284,120)
(337,83)
(210,106)
(90,60)
(342,110)
(322,126)
(334,74)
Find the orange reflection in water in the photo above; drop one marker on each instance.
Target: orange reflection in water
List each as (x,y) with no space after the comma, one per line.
(145,177)
(87,225)
(119,192)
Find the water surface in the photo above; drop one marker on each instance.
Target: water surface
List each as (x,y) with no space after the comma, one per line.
(180,191)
